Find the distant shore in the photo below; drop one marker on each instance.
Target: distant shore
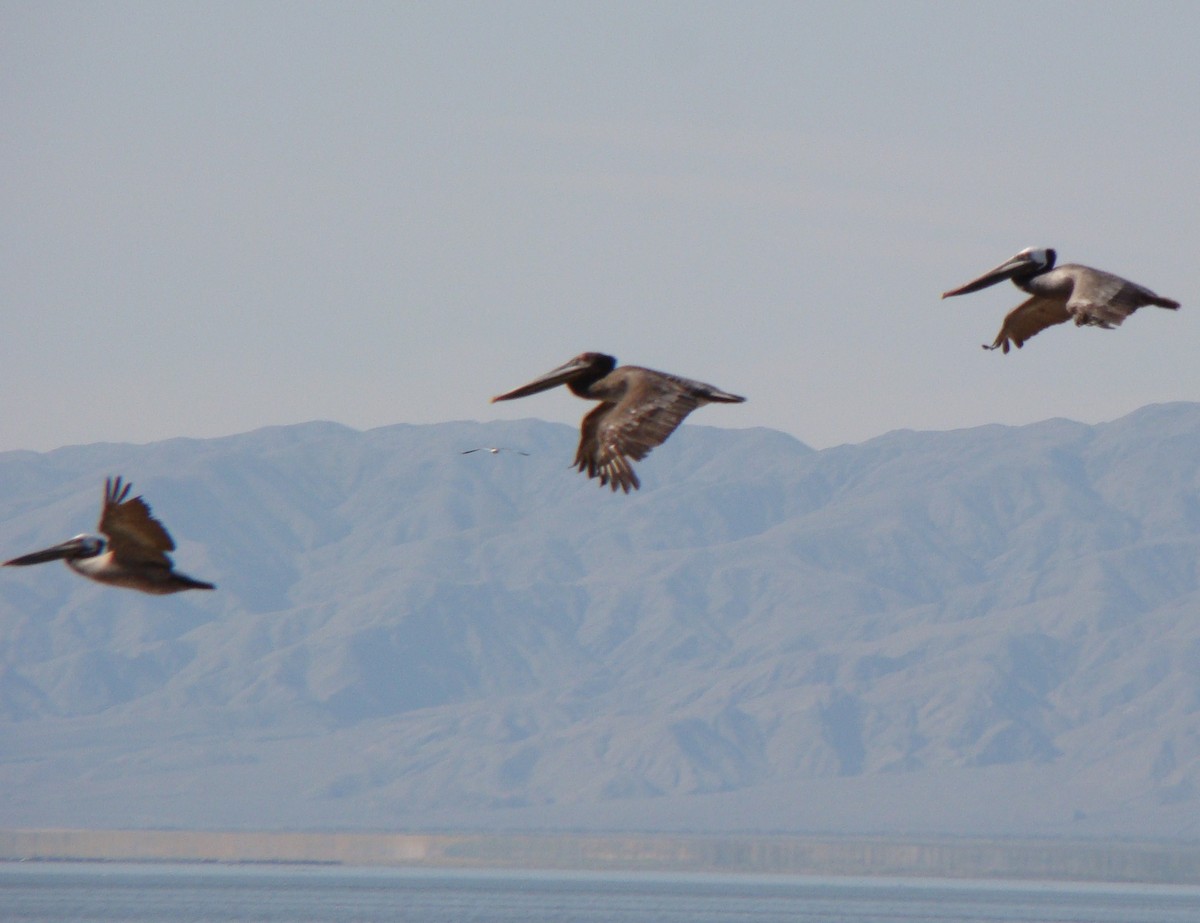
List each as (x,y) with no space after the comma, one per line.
(1064,860)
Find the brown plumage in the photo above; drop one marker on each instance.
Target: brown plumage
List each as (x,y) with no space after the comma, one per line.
(639,409)
(134,535)
(1030,317)
(133,554)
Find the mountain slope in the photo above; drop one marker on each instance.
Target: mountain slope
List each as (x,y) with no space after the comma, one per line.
(982,631)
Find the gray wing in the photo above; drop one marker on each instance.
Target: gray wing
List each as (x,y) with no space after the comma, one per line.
(643,418)
(1028,319)
(1101,299)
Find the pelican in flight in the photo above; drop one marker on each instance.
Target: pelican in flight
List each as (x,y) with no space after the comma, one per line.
(493,449)
(639,409)
(132,553)
(1090,297)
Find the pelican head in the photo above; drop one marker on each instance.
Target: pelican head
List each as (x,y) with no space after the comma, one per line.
(74,549)
(1029,262)
(586,367)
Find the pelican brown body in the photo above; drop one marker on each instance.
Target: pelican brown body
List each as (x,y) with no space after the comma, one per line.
(132,553)
(639,409)
(1091,297)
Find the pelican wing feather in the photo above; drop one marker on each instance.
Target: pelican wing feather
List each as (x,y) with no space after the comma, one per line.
(1028,319)
(1101,299)
(652,407)
(134,535)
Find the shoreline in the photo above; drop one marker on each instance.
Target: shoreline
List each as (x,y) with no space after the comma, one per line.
(829,856)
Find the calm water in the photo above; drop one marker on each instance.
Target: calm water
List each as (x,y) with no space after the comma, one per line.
(81,893)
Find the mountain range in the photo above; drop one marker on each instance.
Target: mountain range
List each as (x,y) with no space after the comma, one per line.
(990,631)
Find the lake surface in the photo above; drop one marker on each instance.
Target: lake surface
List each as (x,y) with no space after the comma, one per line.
(49,892)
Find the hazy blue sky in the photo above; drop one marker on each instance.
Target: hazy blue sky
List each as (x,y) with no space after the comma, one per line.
(219,216)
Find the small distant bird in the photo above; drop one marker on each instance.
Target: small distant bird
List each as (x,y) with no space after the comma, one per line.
(494,449)
(133,555)
(1091,297)
(640,408)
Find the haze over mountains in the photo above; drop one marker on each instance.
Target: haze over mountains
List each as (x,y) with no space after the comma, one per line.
(985,631)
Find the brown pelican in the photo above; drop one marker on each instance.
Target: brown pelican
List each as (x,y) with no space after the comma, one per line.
(1089,296)
(640,408)
(134,554)
(493,449)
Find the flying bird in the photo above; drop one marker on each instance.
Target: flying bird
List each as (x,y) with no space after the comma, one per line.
(639,409)
(1091,297)
(493,449)
(132,553)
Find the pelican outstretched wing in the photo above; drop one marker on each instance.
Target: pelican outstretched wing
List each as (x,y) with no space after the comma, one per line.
(1028,319)
(1101,299)
(134,535)
(652,407)
(600,457)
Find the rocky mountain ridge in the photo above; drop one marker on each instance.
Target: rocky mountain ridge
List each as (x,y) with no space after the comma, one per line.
(985,631)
